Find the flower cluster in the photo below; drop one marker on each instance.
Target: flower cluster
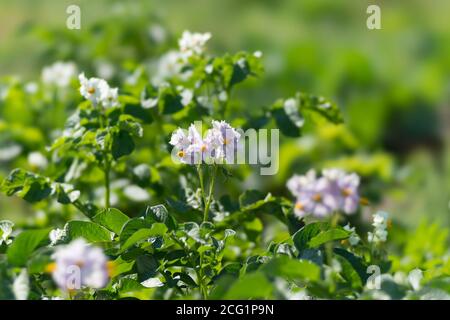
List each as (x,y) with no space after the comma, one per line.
(354,238)
(219,144)
(98,91)
(193,43)
(80,265)
(172,63)
(59,74)
(380,224)
(320,196)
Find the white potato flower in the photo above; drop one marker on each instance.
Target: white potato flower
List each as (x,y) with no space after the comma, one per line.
(59,74)
(380,224)
(6,228)
(186,97)
(98,91)
(37,160)
(56,235)
(193,43)
(354,238)
(21,285)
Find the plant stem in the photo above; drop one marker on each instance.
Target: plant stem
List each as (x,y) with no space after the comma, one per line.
(106,162)
(202,185)
(107,188)
(198,272)
(211,188)
(329,246)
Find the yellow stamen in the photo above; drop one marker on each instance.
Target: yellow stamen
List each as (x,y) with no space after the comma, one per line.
(50,267)
(91,90)
(389,223)
(299,206)
(344,242)
(317,197)
(364,201)
(347,192)
(225,141)
(111,268)
(180,153)
(203,148)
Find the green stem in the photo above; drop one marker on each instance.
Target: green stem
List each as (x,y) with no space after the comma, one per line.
(198,272)
(211,188)
(329,245)
(202,185)
(107,187)
(106,162)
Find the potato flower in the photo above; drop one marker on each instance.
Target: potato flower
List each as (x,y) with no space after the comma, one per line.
(98,91)
(79,265)
(193,43)
(321,196)
(218,144)
(59,74)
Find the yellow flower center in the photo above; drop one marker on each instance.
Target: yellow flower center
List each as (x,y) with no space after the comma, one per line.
(346,192)
(364,201)
(203,148)
(317,197)
(180,153)
(299,206)
(50,267)
(91,90)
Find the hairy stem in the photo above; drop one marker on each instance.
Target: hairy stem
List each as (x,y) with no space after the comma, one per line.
(211,189)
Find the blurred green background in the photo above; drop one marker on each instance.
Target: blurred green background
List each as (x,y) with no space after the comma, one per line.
(393,84)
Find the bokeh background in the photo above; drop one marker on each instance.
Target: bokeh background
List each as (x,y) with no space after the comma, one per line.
(393,84)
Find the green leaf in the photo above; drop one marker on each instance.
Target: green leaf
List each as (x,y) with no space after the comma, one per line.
(320,105)
(316,234)
(356,262)
(112,219)
(122,144)
(286,267)
(302,236)
(327,236)
(254,199)
(6,292)
(24,245)
(170,102)
(132,226)
(157,229)
(252,285)
(146,266)
(288,118)
(90,231)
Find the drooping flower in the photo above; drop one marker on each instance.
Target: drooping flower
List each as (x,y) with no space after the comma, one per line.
(59,74)
(6,228)
(380,224)
(354,238)
(192,43)
(56,235)
(80,265)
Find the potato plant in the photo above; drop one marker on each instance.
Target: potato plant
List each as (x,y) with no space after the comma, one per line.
(119,218)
